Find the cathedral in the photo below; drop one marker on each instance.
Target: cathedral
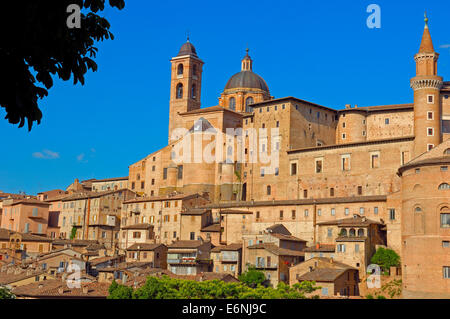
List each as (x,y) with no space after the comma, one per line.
(386,163)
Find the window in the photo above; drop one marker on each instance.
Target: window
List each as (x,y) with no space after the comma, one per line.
(294,214)
(375,210)
(306,213)
(444,168)
(392,214)
(343,124)
(331,191)
(333,212)
(180,69)
(305,193)
(142,185)
(258,215)
(249,101)
(446,244)
(232,103)
(430,131)
(430,146)
(347,211)
(341,248)
(179,91)
(386,121)
(269,190)
(345,161)
(262,172)
(375,160)
(277,171)
(330,232)
(356,248)
(360,232)
(319,163)
(446,125)
(361,210)
(194,92)
(444,186)
(430,99)
(360,190)
(344,136)
(180,172)
(281,214)
(445,220)
(153,168)
(319,212)
(278,124)
(35,212)
(293,169)
(165,173)
(192,236)
(430,115)
(446,272)
(324,291)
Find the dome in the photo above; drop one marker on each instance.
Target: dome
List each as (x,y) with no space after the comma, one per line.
(247,79)
(187,49)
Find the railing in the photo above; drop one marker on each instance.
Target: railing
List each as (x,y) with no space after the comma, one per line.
(266,266)
(183,260)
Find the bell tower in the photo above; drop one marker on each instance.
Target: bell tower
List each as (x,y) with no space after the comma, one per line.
(185,86)
(426,85)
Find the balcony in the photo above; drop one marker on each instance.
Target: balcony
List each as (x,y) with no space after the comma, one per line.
(265,266)
(183,260)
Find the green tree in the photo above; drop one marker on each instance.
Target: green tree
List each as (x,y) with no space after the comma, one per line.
(73,233)
(117,291)
(252,277)
(37,44)
(386,258)
(169,288)
(6,294)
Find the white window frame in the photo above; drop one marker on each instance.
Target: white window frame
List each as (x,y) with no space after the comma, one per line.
(430,128)
(432,115)
(428,99)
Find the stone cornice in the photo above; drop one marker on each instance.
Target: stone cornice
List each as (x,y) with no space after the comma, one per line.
(419,84)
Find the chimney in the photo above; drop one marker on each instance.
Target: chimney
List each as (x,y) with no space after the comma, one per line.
(348,106)
(356,106)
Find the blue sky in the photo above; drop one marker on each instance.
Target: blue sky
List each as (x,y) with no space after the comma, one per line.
(321,52)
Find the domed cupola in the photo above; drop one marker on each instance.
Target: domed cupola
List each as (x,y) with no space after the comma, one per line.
(187,49)
(244,88)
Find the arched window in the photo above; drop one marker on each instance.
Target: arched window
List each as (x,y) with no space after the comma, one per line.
(232,103)
(180,69)
(447,151)
(194,70)
(445,217)
(179,91)
(352,232)
(360,232)
(249,101)
(418,210)
(269,190)
(344,232)
(444,186)
(194,92)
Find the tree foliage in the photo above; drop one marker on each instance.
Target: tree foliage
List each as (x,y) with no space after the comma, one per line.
(252,277)
(169,288)
(6,294)
(73,233)
(37,44)
(386,258)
